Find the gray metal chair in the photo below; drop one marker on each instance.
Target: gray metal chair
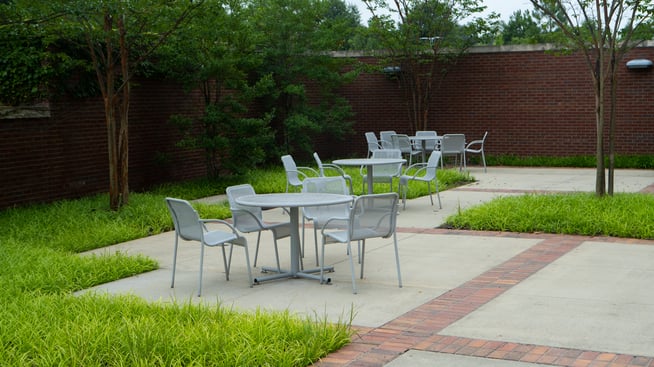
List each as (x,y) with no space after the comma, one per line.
(383,172)
(189,227)
(477,147)
(320,214)
(323,166)
(371,216)
(403,143)
(454,144)
(373,143)
(386,139)
(425,172)
(295,174)
(249,219)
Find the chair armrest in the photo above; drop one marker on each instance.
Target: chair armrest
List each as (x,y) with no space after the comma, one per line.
(218,221)
(248,213)
(415,166)
(325,226)
(473,143)
(309,169)
(335,168)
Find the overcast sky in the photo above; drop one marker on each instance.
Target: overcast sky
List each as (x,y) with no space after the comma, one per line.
(504,7)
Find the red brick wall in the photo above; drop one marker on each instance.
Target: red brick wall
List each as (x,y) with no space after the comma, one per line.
(531,102)
(65,156)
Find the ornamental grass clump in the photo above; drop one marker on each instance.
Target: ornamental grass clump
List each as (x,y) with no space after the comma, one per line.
(626,215)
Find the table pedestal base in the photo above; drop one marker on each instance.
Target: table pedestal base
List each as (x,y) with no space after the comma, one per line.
(307,274)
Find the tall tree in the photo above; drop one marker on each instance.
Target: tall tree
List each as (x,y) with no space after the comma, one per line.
(118,36)
(428,37)
(217,53)
(528,27)
(593,28)
(297,36)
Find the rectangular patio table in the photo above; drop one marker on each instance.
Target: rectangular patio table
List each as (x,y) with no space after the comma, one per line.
(293,201)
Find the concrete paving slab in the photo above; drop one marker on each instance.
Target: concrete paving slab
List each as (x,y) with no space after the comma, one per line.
(415,358)
(558,179)
(597,297)
(431,265)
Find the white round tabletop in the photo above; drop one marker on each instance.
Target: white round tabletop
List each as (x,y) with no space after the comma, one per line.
(293,199)
(367,161)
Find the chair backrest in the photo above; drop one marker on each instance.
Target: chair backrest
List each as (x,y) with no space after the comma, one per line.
(453,143)
(483,140)
(243,221)
(386,139)
(385,170)
(373,142)
(321,169)
(373,216)
(402,142)
(292,175)
(432,165)
(429,144)
(330,185)
(186,219)
(387,144)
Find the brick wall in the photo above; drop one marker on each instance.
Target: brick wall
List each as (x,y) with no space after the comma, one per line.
(65,156)
(531,102)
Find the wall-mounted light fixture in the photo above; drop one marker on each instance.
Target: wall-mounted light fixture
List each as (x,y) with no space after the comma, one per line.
(392,70)
(639,64)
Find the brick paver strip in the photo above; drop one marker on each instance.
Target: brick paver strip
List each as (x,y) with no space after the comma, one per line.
(419,328)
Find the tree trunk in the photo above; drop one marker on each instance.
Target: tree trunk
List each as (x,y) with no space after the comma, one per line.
(614,101)
(599,118)
(114,190)
(123,140)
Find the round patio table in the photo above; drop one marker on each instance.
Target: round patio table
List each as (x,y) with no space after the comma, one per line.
(293,201)
(369,163)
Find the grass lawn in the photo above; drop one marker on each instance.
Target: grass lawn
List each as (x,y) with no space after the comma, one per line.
(627,215)
(44,324)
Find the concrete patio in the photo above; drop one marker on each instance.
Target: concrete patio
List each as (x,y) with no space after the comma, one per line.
(469,298)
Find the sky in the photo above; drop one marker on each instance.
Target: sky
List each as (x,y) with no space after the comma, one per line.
(504,7)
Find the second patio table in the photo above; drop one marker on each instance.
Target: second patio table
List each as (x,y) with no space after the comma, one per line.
(423,139)
(293,201)
(369,163)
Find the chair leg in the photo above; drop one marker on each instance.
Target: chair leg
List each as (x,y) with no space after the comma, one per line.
(403,189)
(279,269)
(172,284)
(363,256)
(438,193)
(322,262)
(397,261)
(241,241)
(302,247)
(431,198)
(247,263)
(226,263)
(315,241)
(201,266)
(256,250)
(354,283)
